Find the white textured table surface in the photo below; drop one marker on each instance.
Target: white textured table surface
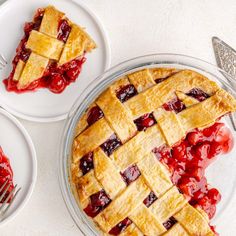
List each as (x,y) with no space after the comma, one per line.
(135,27)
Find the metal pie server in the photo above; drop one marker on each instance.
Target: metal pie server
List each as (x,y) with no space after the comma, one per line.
(226,60)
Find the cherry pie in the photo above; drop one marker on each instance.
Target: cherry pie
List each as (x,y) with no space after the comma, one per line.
(141,149)
(6,174)
(51,53)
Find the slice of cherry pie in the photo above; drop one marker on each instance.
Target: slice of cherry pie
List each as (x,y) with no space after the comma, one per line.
(51,53)
(141,150)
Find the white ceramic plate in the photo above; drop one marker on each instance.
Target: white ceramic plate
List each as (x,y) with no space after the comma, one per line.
(18,147)
(43,105)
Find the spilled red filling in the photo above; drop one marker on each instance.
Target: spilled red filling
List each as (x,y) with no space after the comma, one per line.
(56,78)
(189,159)
(6,174)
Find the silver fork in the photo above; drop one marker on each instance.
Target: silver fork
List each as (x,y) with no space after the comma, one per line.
(3,61)
(8,199)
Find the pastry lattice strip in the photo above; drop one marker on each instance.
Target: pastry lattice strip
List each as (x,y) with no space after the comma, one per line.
(137,149)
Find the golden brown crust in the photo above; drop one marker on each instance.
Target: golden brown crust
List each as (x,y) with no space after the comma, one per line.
(86,186)
(118,117)
(33,69)
(76,45)
(193,221)
(162,73)
(141,80)
(123,205)
(50,21)
(107,174)
(211,109)
(132,230)
(176,230)
(19,68)
(146,221)
(82,123)
(161,93)
(137,146)
(156,175)
(91,138)
(169,204)
(120,83)
(44,45)
(170,126)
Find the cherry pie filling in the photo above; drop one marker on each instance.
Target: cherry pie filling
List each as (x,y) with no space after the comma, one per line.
(145,121)
(187,160)
(99,201)
(120,227)
(174,105)
(126,92)
(111,145)
(131,174)
(94,114)
(151,198)
(6,174)
(198,94)
(86,163)
(56,78)
(170,222)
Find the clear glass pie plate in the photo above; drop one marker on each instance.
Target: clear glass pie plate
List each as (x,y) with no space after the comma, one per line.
(221,174)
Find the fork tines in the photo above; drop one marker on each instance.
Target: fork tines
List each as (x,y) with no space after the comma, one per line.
(3,61)
(7,196)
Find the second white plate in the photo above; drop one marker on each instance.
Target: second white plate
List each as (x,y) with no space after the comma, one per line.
(44,106)
(18,147)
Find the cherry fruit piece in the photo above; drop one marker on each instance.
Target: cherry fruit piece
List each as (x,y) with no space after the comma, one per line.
(214,195)
(57,83)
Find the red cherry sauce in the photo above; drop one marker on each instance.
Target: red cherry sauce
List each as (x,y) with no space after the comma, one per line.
(98,202)
(150,199)
(198,94)
(126,92)
(169,223)
(56,78)
(188,160)
(145,121)
(174,105)
(64,30)
(119,228)
(6,174)
(94,114)
(86,163)
(158,81)
(131,174)
(111,145)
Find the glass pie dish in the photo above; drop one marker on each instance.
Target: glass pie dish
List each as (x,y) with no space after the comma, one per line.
(224,182)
